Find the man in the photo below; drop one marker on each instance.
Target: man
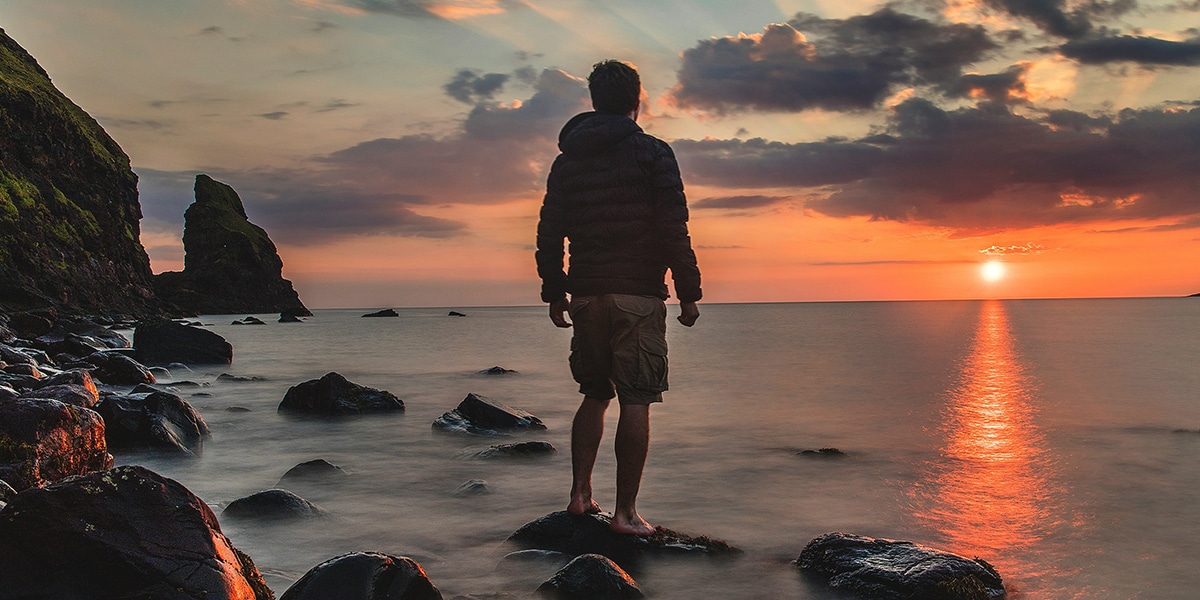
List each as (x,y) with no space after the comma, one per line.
(616,195)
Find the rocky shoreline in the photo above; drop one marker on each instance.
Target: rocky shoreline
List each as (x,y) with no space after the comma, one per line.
(73,389)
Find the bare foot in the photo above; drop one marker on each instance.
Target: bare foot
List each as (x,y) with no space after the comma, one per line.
(632,526)
(580,506)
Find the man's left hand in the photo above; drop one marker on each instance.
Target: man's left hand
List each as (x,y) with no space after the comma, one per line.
(558,312)
(688,313)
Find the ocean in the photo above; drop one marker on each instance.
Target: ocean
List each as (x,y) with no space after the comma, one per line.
(1059,440)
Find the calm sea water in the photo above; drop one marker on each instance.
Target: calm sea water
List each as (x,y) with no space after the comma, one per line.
(1057,439)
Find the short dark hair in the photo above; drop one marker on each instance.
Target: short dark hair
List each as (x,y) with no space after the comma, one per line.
(615,87)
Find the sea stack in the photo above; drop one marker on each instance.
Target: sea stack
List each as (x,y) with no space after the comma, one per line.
(69,212)
(230,265)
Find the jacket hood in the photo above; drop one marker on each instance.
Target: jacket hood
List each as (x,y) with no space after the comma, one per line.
(593,132)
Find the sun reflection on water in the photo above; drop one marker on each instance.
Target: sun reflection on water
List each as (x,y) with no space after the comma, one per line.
(991,492)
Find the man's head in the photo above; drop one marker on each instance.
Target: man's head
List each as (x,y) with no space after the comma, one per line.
(615,87)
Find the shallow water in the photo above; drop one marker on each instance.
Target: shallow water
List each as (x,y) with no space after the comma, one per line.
(1056,439)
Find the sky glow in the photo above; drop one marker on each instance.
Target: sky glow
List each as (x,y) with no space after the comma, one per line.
(396,150)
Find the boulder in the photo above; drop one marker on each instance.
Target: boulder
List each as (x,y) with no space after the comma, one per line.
(73,394)
(364,576)
(517,450)
(589,534)
(249,321)
(272,505)
(287,318)
(124,533)
(591,577)
(159,420)
(480,415)
(334,395)
(29,325)
(387,312)
(25,369)
(230,265)
(822,453)
(162,342)
(896,570)
(7,392)
(42,441)
(497,370)
(85,330)
(16,356)
(72,344)
(114,368)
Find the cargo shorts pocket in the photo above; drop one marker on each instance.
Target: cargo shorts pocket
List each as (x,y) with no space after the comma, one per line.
(652,362)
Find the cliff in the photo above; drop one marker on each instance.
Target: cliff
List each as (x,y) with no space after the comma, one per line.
(230,265)
(69,212)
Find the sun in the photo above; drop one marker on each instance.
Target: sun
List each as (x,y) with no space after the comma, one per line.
(992,271)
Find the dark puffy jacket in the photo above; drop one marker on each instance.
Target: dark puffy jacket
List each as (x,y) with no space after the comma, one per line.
(616,195)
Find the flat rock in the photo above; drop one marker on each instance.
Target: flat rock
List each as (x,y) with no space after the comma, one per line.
(591,577)
(518,450)
(334,395)
(589,534)
(124,533)
(896,570)
(480,415)
(387,312)
(473,487)
(117,369)
(364,576)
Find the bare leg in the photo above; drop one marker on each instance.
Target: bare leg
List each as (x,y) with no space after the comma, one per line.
(586,431)
(633,440)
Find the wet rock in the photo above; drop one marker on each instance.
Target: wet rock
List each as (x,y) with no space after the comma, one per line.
(124,533)
(227,378)
(480,415)
(234,409)
(43,441)
(75,395)
(591,577)
(319,471)
(497,370)
(272,505)
(334,395)
(86,331)
(286,318)
(29,370)
(7,392)
(364,576)
(822,453)
(73,344)
(889,569)
(162,342)
(116,369)
(29,325)
(455,313)
(387,312)
(16,356)
(589,534)
(159,420)
(518,450)
(249,321)
(473,487)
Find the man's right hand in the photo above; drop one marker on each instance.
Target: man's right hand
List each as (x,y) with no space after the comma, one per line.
(558,312)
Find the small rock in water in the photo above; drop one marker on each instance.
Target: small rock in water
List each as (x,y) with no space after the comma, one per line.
(823,453)
(480,415)
(227,378)
(591,577)
(334,395)
(233,409)
(474,487)
(387,312)
(497,370)
(272,505)
(518,450)
(288,318)
(455,313)
(313,471)
(895,570)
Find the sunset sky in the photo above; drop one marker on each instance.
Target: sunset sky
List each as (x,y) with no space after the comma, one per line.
(396,150)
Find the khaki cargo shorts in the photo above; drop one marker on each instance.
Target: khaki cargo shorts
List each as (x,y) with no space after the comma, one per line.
(620,347)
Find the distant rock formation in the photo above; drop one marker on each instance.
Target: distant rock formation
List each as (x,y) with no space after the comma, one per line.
(229,264)
(69,207)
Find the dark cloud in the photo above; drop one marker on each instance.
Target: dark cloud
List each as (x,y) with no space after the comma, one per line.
(381,186)
(212,30)
(759,163)
(1051,16)
(980,169)
(469,87)
(336,104)
(1137,49)
(274,116)
(739,202)
(832,64)
(322,26)
(1007,87)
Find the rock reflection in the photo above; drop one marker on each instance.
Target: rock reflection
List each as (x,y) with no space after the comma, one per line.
(990,493)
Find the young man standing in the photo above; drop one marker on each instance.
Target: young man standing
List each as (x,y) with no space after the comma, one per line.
(616,195)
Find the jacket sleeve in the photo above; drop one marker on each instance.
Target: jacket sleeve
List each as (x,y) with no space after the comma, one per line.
(672,216)
(551,231)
